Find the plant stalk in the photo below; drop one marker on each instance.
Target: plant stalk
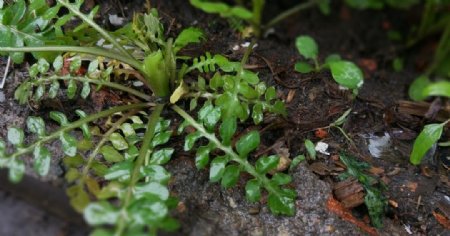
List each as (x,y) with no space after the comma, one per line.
(143,153)
(291,11)
(75,125)
(99,82)
(96,51)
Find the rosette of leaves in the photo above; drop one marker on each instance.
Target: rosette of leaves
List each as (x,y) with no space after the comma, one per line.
(344,72)
(374,200)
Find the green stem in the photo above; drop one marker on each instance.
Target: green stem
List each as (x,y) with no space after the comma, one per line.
(228,150)
(99,29)
(77,124)
(143,153)
(247,53)
(96,51)
(98,82)
(290,12)
(442,50)
(100,144)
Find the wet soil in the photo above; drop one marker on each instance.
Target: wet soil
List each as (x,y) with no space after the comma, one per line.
(313,101)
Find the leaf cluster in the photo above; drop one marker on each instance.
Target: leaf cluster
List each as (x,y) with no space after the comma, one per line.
(344,72)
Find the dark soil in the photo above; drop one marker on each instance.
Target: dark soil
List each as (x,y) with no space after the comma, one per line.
(313,101)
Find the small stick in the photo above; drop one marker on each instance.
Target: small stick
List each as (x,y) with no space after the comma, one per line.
(6,73)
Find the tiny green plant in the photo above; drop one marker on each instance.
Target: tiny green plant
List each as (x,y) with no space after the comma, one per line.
(117,174)
(344,72)
(374,200)
(254,16)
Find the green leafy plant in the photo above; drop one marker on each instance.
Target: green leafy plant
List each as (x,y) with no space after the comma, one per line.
(345,73)
(374,200)
(116,170)
(253,16)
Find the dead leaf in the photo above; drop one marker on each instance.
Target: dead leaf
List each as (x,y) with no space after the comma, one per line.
(442,220)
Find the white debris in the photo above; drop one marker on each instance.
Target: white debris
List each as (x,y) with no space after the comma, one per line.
(2,84)
(342,87)
(115,20)
(247,44)
(2,96)
(377,144)
(322,148)
(408,229)
(138,83)
(236,47)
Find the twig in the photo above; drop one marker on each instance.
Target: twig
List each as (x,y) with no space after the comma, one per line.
(6,73)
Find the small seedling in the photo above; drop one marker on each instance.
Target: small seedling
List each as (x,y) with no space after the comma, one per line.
(345,73)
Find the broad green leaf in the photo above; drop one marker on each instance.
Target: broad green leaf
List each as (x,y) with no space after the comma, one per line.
(261,88)
(193,104)
(210,115)
(202,157)
(42,65)
(39,92)
(84,127)
(303,67)
(271,94)
(310,148)
(190,140)
(332,58)
(75,64)
(227,130)
(36,125)
(248,143)
(121,171)
(79,198)
(417,87)
(249,77)
(59,117)
(86,90)
(111,154)
(440,88)
(307,47)
(53,90)
(71,175)
(16,170)
(247,91)
(71,89)
(42,158)
(253,190)
(347,74)
(156,173)
(279,108)
(118,141)
(230,176)
(426,139)
(281,179)
(75,161)
(161,138)
(93,66)
(281,205)
(69,144)
(217,168)
(127,129)
(58,63)
(257,114)
(265,164)
(99,213)
(161,157)
(152,189)
(15,136)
